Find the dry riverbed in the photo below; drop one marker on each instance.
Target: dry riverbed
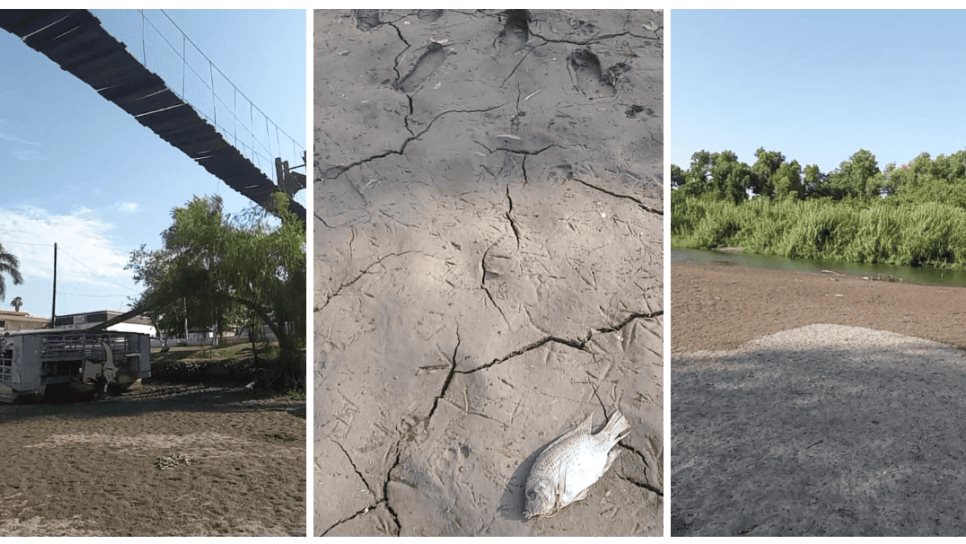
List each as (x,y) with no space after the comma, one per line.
(163,460)
(488,265)
(815,404)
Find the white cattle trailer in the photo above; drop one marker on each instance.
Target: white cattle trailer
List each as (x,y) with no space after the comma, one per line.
(82,360)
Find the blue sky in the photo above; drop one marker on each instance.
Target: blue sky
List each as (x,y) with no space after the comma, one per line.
(79,171)
(818,85)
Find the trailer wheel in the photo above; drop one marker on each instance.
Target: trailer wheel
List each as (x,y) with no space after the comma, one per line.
(102,388)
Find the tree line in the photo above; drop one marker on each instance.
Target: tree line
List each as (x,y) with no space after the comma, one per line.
(909,214)
(222,271)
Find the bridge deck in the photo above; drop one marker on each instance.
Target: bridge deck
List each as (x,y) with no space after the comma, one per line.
(77,42)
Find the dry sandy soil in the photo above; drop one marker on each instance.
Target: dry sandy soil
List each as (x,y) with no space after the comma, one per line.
(92,468)
(488,265)
(827,423)
(723,306)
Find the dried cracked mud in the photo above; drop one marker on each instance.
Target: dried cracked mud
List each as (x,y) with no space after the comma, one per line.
(163,460)
(488,264)
(819,430)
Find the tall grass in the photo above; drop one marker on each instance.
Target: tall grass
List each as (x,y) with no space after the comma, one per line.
(924,234)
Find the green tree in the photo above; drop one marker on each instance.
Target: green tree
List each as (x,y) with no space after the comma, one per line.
(229,268)
(697,177)
(678,177)
(855,178)
(17,303)
(731,179)
(787,181)
(10,266)
(812,180)
(766,168)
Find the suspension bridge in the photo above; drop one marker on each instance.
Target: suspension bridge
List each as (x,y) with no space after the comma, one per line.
(236,152)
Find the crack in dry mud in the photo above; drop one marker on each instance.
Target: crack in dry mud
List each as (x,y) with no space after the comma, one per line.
(449,377)
(364,510)
(638,201)
(509,217)
(409,97)
(580,343)
(364,271)
(635,451)
(576,344)
(385,492)
(334,172)
(319,217)
(351,462)
(395,66)
(525,151)
(515,67)
(623,323)
(593,40)
(513,48)
(642,485)
(590,41)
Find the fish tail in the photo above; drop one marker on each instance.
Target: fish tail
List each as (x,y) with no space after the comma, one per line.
(617,427)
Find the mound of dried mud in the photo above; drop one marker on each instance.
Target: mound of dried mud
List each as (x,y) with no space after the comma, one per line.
(819,430)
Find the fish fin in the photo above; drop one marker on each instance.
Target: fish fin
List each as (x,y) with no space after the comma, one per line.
(612,456)
(561,487)
(581,496)
(558,494)
(617,428)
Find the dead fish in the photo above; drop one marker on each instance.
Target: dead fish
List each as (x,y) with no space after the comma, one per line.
(566,469)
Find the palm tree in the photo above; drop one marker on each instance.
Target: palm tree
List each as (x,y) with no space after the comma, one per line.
(17,302)
(9,265)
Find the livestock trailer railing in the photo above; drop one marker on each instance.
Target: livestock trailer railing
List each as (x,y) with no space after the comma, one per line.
(96,361)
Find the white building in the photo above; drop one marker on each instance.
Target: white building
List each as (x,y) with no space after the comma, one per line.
(86,320)
(21,321)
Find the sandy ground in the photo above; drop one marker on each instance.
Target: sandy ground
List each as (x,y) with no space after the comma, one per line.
(723,306)
(488,265)
(92,468)
(820,428)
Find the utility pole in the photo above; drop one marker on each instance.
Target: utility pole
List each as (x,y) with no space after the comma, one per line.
(53,305)
(185,302)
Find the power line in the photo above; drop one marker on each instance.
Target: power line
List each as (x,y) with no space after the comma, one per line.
(91,296)
(76,260)
(25,244)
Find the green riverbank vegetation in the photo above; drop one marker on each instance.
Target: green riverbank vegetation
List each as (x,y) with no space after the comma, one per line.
(913,214)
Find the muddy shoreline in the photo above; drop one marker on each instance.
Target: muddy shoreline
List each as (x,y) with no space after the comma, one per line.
(161,460)
(719,307)
(810,404)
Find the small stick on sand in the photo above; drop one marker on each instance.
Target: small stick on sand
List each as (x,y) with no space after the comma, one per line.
(531,95)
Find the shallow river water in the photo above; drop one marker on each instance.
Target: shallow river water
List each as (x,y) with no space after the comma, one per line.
(882,271)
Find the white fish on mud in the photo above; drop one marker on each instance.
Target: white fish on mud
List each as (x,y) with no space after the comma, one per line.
(566,469)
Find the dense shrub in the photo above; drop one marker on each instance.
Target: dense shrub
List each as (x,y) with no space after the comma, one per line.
(914,214)
(925,234)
